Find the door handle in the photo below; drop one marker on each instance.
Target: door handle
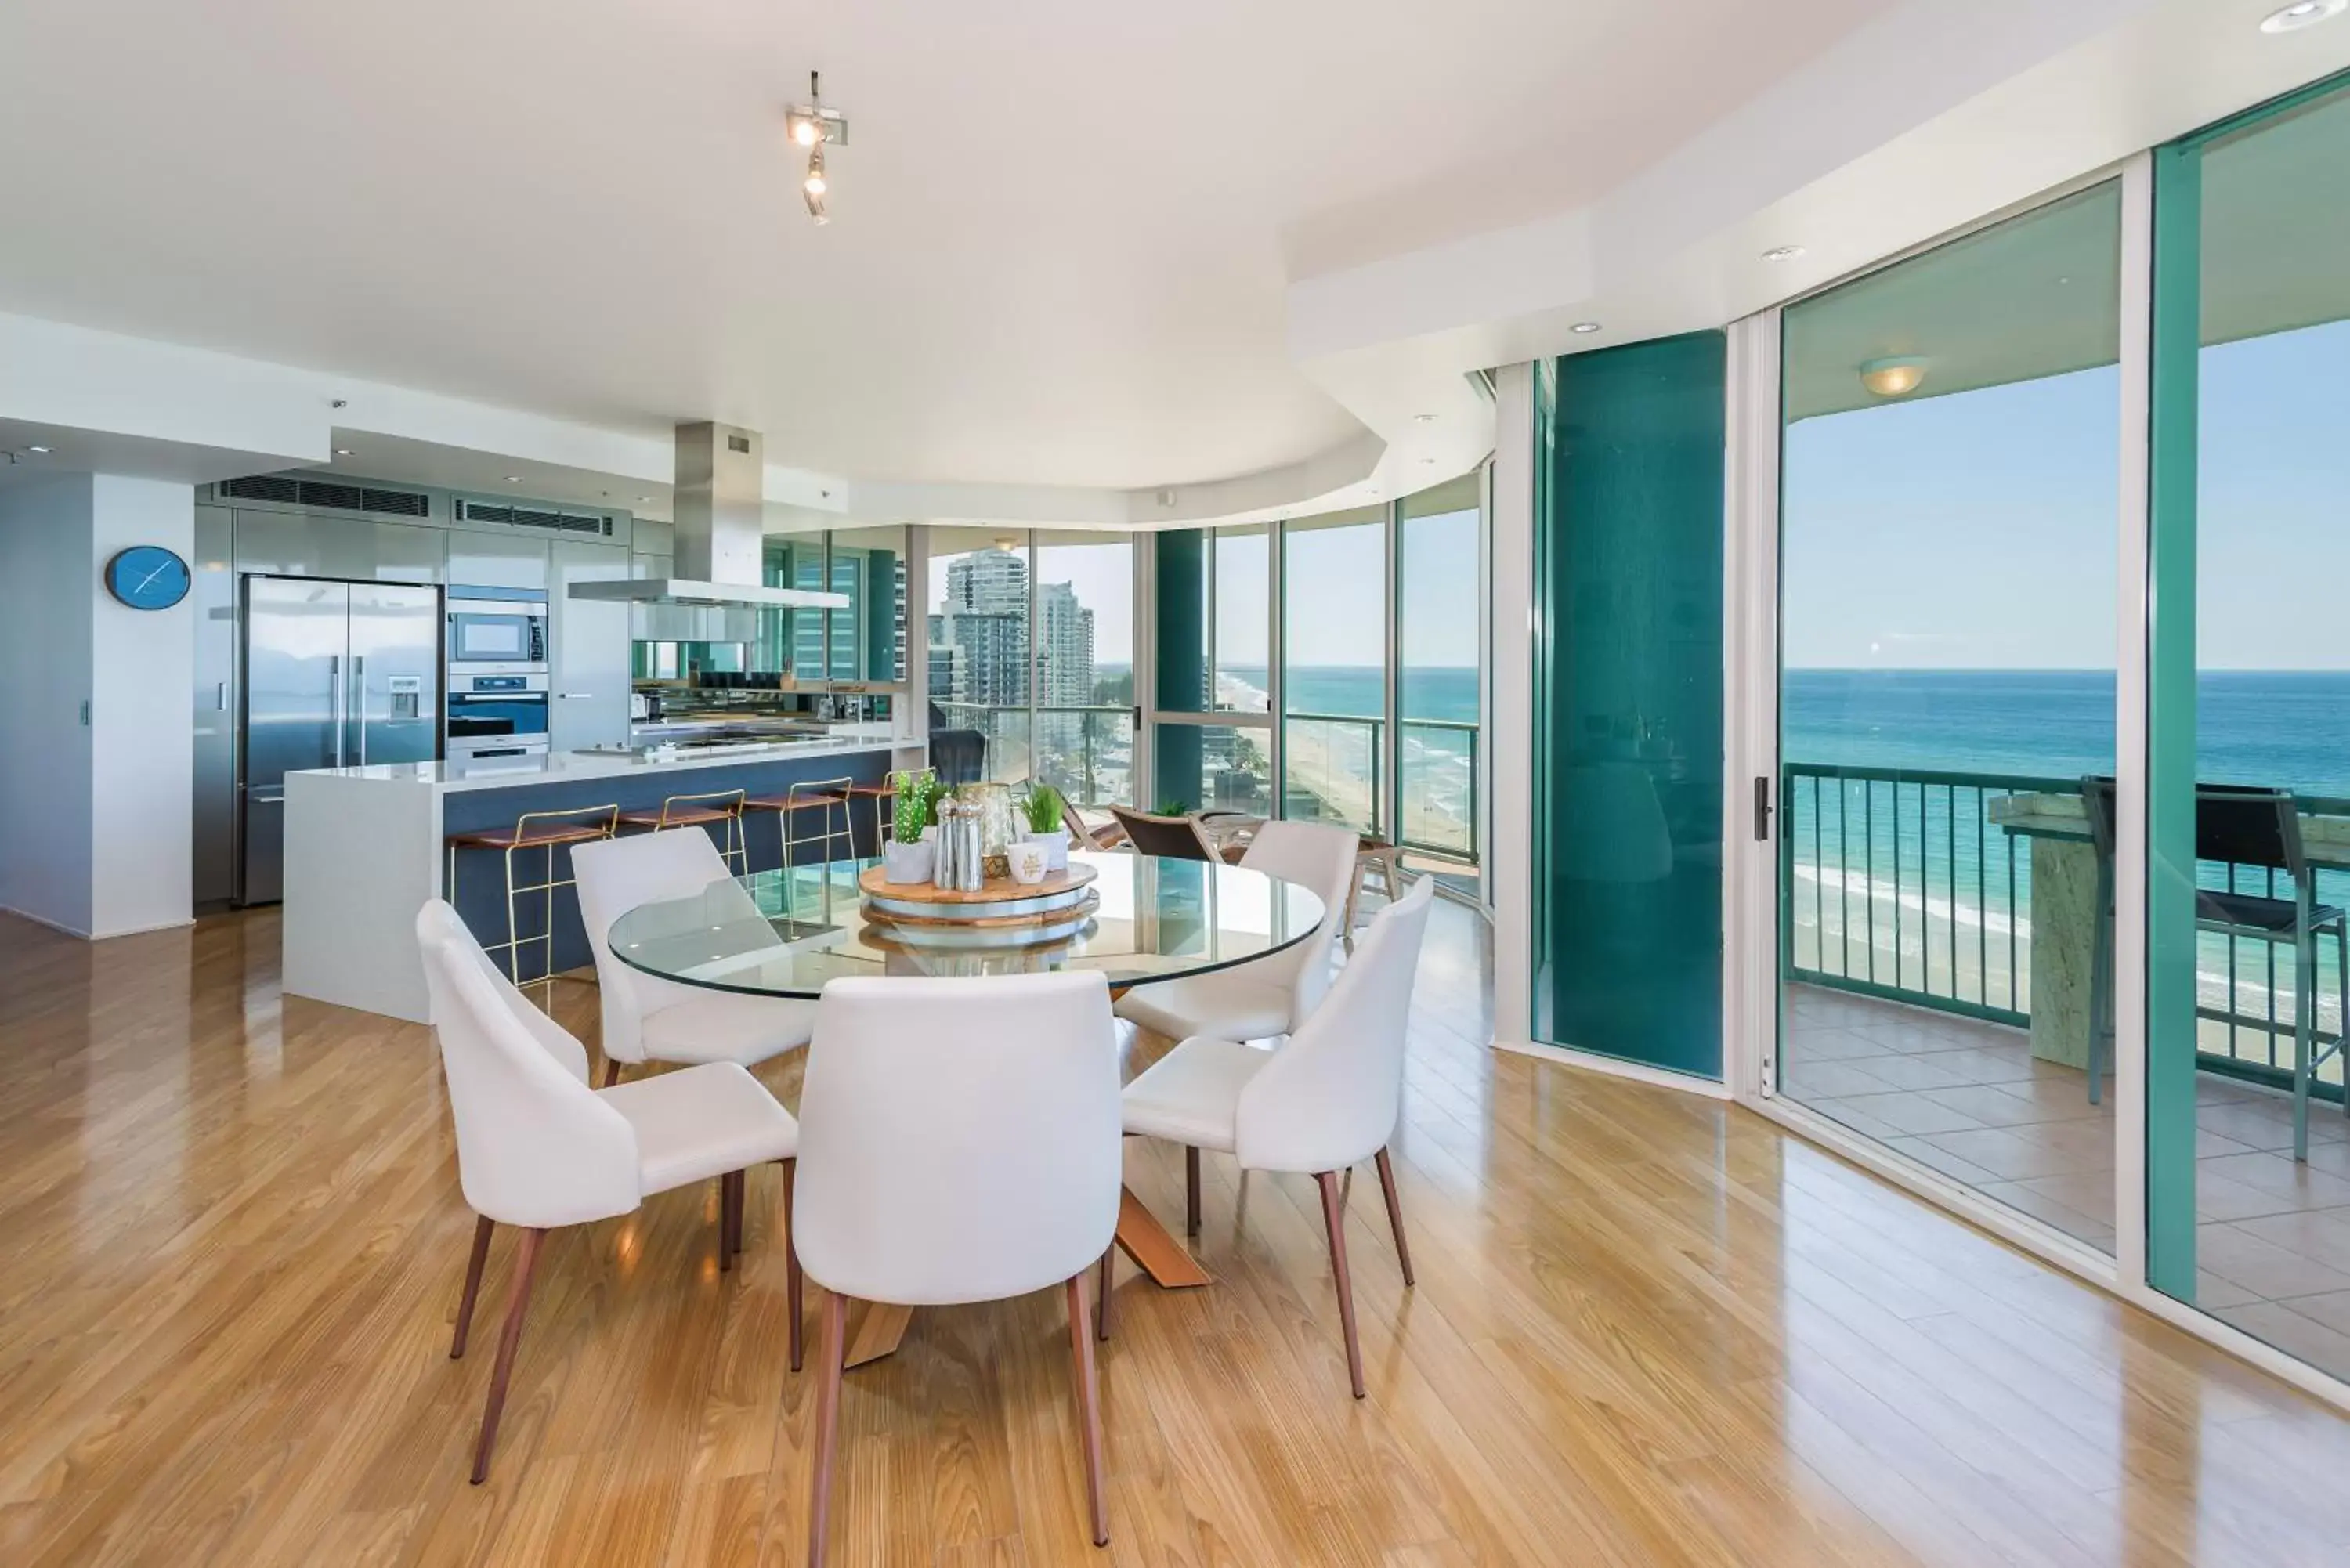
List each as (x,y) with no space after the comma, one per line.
(359,701)
(576,696)
(1762,808)
(335,702)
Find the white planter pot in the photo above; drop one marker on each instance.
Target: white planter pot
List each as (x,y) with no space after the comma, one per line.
(1056,847)
(903,865)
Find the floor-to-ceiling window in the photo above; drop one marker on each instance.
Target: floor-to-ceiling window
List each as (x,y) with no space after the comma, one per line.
(1949,491)
(1439,594)
(1335,668)
(979,653)
(1032,644)
(2247,1151)
(1084,665)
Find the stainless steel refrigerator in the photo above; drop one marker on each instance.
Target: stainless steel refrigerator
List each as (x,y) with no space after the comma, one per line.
(335,675)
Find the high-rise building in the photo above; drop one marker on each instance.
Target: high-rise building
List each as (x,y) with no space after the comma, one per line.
(1064,647)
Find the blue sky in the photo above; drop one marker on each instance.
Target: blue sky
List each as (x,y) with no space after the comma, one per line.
(1977,531)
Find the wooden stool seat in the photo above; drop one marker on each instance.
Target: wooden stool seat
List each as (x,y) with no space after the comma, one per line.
(687,816)
(532,837)
(791,803)
(873,791)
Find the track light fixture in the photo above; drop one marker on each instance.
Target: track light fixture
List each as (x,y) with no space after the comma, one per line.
(811,125)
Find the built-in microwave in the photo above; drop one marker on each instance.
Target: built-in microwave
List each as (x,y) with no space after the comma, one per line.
(496,631)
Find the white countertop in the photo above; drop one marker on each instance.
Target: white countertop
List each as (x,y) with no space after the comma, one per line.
(563,767)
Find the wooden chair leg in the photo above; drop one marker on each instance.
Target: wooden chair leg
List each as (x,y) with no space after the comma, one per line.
(1102,1293)
(1191,1189)
(481,1228)
(729,1217)
(827,1421)
(1081,1349)
(1395,1215)
(611,1072)
(1334,1220)
(509,1340)
(793,1278)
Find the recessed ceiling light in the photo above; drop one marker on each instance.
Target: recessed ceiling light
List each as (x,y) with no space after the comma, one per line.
(1584,327)
(1894,376)
(642,500)
(513,479)
(1423,418)
(342,451)
(42,450)
(2306,13)
(1782,253)
(1428,459)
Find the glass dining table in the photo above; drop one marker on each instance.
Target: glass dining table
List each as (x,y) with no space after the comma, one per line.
(1149,919)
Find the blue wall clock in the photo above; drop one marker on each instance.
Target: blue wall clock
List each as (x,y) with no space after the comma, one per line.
(147,577)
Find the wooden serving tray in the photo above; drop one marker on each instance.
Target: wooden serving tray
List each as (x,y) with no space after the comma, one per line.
(995,890)
(1082,909)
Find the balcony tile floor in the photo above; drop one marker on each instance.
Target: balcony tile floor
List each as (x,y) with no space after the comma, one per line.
(1969,1099)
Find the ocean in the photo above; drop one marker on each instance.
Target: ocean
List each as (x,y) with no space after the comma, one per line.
(2287,729)
(1969,909)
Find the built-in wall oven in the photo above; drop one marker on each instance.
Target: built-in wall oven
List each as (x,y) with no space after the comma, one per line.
(496,631)
(496,716)
(496,652)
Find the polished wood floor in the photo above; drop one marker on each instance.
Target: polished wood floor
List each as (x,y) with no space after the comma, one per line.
(1648,1330)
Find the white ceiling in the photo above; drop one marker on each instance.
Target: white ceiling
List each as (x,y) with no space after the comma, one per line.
(1062,235)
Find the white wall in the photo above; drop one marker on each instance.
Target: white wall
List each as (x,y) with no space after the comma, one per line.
(143,731)
(46,613)
(96,833)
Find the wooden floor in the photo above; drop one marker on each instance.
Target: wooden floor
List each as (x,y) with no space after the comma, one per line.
(1648,1330)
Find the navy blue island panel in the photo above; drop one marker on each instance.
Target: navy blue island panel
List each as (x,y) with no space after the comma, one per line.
(480,892)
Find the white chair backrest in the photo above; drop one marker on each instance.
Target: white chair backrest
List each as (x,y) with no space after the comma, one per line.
(616,875)
(959,1138)
(437,921)
(536,1146)
(1330,1098)
(1322,858)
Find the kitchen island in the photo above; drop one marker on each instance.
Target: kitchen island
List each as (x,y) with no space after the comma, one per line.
(366,846)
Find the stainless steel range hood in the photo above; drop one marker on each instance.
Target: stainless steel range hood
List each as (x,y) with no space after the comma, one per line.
(719,549)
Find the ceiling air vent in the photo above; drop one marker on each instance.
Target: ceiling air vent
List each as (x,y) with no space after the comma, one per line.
(262,487)
(552,519)
(483,512)
(332,494)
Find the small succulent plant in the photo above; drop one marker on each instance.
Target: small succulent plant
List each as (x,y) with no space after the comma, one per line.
(918,803)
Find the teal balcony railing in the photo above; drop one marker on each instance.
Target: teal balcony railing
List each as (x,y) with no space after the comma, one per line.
(1895,883)
(1335,770)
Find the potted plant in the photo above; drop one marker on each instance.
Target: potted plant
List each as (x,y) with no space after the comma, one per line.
(1044,811)
(908,855)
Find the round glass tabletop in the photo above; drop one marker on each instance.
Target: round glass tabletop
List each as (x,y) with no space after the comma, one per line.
(786,933)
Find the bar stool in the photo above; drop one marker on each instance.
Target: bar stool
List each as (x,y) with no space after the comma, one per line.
(831,796)
(1372,852)
(883,796)
(695,811)
(547,830)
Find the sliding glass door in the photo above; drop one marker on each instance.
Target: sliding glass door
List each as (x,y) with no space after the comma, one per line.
(2248,1150)
(1950,485)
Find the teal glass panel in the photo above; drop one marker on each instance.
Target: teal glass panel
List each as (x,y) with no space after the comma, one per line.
(1629,677)
(2248,726)
(1180,584)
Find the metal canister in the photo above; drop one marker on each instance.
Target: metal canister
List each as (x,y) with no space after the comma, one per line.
(960,861)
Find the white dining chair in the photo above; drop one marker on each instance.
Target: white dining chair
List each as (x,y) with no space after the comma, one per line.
(1319,1106)
(1272,995)
(537,1149)
(961,1144)
(646,1017)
